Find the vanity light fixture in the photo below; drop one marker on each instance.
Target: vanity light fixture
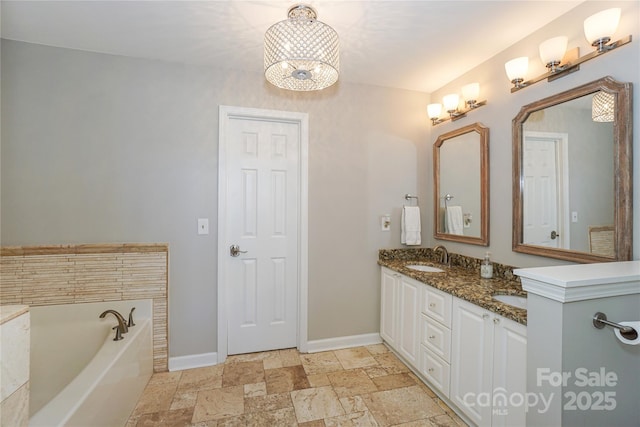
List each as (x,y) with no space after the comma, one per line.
(470,94)
(598,30)
(301,53)
(552,51)
(516,70)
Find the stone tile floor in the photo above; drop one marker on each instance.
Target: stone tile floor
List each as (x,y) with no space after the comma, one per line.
(364,386)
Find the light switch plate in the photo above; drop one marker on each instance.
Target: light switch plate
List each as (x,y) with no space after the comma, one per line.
(203,225)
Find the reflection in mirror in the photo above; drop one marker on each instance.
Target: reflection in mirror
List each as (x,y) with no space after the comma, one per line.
(572,195)
(461,187)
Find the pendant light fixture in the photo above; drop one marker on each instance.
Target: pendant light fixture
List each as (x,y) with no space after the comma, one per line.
(301,53)
(603,107)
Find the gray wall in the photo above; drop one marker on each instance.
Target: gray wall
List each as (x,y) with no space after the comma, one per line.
(502,106)
(102,148)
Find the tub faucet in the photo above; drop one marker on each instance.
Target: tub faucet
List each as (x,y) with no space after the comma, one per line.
(130,322)
(122,327)
(444,257)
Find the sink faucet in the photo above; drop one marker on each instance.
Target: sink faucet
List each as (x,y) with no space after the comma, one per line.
(122,327)
(444,258)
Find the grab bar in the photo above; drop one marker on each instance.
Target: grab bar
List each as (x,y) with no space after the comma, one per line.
(600,320)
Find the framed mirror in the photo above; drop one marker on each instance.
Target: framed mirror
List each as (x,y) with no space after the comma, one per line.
(461,185)
(572,166)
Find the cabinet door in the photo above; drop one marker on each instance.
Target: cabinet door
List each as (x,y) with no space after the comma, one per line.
(471,361)
(509,371)
(390,283)
(408,313)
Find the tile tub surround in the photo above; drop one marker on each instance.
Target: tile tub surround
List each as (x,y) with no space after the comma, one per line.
(362,386)
(462,279)
(14,359)
(72,274)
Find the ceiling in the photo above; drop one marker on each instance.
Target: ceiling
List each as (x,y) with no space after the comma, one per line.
(415,45)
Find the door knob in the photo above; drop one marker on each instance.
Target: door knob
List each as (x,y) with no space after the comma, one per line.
(234,250)
(554,234)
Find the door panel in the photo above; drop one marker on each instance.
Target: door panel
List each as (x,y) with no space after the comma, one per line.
(262,219)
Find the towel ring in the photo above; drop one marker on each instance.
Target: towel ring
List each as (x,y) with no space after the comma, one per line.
(409,197)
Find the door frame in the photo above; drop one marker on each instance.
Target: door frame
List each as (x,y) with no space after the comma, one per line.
(227,113)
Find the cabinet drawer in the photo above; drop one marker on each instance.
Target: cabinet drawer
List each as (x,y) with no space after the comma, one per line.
(437,305)
(435,370)
(436,337)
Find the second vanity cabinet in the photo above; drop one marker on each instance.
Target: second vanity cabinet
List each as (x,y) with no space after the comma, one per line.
(489,354)
(466,353)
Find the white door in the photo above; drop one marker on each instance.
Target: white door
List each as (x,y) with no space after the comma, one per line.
(259,233)
(540,207)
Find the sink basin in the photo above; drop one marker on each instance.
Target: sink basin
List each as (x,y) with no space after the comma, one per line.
(425,268)
(512,300)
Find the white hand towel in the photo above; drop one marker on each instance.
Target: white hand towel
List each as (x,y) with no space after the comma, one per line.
(454,220)
(410,226)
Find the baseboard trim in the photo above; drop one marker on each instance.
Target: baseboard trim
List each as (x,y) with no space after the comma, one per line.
(191,361)
(343,342)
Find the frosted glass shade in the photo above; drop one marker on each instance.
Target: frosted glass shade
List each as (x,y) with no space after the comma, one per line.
(301,53)
(602,25)
(451,102)
(603,107)
(517,68)
(553,50)
(434,110)
(471,92)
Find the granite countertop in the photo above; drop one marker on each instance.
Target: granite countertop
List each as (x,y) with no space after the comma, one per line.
(465,283)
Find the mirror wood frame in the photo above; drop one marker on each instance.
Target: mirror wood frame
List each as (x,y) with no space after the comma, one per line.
(483,133)
(622,157)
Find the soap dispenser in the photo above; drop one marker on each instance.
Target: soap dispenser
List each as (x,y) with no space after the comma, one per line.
(486,268)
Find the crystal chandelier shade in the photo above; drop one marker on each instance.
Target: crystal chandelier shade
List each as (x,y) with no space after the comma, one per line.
(301,53)
(603,107)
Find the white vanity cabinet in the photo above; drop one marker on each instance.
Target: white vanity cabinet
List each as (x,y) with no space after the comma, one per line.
(399,314)
(488,360)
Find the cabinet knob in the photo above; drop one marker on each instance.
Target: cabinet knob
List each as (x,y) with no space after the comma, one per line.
(432,337)
(485,316)
(496,320)
(430,370)
(431,304)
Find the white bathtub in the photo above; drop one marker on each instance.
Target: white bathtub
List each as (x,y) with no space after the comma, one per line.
(79,375)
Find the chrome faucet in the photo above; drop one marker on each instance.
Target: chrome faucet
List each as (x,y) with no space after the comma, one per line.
(444,258)
(122,327)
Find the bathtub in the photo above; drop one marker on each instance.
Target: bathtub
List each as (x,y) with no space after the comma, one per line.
(79,375)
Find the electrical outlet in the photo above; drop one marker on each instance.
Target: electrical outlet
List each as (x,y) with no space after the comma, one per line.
(385,222)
